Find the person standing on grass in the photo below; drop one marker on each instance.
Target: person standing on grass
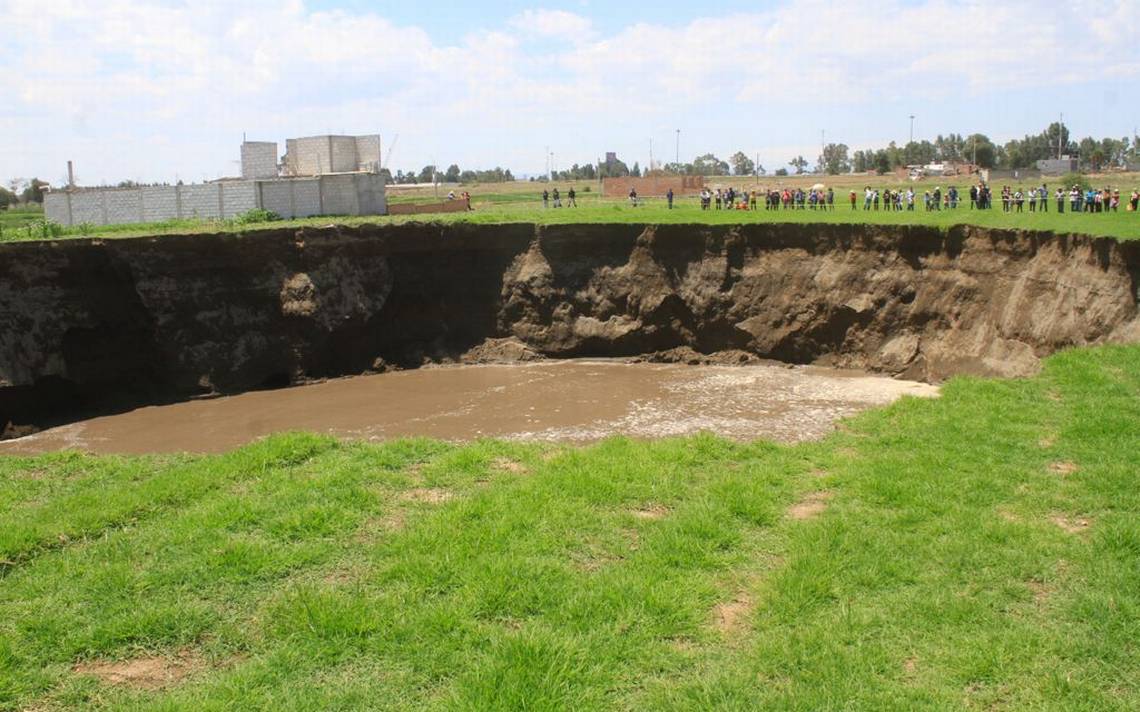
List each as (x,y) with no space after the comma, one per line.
(717,197)
(1134,203)
(867,195)
(1075,199)
(1043,196)
(557,199)
(1032,200)
(1060,196)
(545,198)
(1116,200)
(571,198)
(669,198)
(633,197)
(973,197)
(910,199)
(753,200)
(831,199)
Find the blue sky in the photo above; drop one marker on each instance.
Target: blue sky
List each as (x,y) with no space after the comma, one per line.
(160,90)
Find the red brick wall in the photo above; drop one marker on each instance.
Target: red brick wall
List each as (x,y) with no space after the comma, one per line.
(653,186)
(448,206)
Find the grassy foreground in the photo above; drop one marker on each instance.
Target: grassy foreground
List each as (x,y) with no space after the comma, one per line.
(977,551)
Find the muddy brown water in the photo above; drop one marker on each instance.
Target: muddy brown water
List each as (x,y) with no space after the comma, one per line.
(574,401)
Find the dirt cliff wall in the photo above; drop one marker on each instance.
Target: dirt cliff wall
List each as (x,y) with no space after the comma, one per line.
(98,324)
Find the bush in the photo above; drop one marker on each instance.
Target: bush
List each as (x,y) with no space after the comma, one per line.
(1080,179)
(256,215)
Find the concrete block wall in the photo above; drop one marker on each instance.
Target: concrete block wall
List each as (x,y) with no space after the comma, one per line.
(159,203)
(276,196)
(343,149)
(368,153)
(371,198)
(86,207)
(258,159)
(307,198)
(57,207)
(121,206)
(339,195)
(238,197)
(352,194)
(200,200)
(307,156)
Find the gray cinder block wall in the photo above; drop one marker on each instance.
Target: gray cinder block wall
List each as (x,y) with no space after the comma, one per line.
(316,155)
(258,159)
(345,194)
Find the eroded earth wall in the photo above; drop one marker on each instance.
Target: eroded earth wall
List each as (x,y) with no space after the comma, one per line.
(103,324)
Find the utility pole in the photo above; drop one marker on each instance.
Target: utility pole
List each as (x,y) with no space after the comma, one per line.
(911,129)
(756,168)
(650,154)
(677,158)
(822,149)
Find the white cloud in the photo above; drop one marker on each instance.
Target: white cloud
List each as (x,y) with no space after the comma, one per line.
(190,74)
(553,24)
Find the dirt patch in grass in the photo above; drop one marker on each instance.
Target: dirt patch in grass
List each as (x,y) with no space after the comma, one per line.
(147,673)
(811,506)
(1072,525)
(375,527)
(729,617)
(1040,590)
(1008,516)
(427,495)
(651,511)
(910,665)
(1063,468)
(1047,441)
(505,464)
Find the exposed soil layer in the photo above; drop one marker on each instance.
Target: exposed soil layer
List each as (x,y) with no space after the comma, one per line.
(95,325)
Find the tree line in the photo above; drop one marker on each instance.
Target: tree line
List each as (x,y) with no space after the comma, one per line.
(1092,154)
(433,174)
(19,191)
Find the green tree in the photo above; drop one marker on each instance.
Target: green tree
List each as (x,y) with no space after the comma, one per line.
(833,160)
(781,172)
(636,172)
(452,174)
(981,150)
(882,161)
(7,198)
(799,163)
(741,164)
(427,175)
(34,193)
(709,165)
(861,161)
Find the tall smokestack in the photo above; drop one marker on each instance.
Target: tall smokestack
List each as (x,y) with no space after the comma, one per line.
(70,175)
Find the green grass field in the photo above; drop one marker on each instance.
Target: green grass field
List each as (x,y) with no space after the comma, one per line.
(514,207)
(977,551)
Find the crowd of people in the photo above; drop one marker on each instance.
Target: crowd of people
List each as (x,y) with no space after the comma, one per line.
(1017,200)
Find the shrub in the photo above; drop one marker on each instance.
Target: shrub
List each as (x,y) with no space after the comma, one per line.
(256,215)
(1080,179)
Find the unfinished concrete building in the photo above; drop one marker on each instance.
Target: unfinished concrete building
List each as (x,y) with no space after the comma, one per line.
(318,155)
(258,159)
(339,176)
